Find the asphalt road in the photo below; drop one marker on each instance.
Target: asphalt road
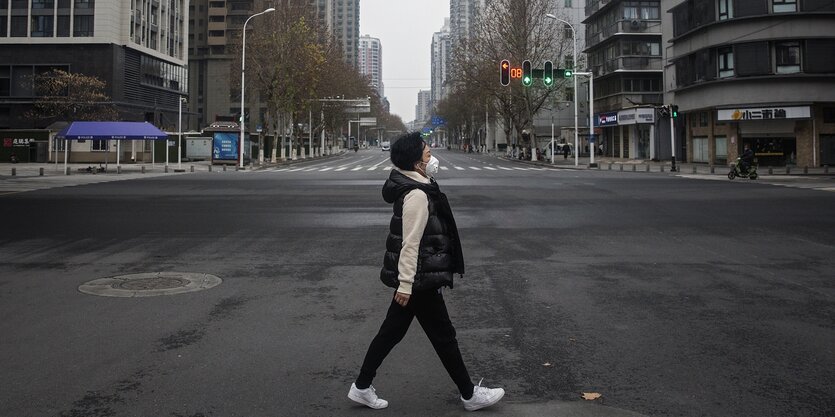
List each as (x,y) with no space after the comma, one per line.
(668,295)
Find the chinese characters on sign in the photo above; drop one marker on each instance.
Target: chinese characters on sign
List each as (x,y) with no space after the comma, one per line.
(767,113)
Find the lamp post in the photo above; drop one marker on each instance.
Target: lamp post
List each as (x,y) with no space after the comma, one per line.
(243,88)
(574,76)
(180,132)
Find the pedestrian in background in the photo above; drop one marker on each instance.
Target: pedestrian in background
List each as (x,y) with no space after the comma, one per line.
(422,233)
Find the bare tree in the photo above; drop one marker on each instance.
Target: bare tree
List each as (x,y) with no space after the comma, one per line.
(515,30)
(65,96)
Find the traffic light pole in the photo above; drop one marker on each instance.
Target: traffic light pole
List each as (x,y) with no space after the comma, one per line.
(673,141)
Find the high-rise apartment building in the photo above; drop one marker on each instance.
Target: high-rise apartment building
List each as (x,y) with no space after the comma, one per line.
(137,47)
(624,50)
(343,20)
(214,38)
(462,19)
(755,72)
(441,49)
(422,109)
(371,62)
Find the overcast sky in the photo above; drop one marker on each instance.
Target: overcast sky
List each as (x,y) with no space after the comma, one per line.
(405,29)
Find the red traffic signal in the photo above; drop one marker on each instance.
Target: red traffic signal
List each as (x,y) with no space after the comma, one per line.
(504,70)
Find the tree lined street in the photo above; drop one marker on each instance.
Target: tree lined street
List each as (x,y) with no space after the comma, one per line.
(668,295)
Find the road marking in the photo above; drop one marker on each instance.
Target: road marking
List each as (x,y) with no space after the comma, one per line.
(475,168)
(459,168)
(357,168)
(506,169)
(490,168)
(340,169)
(444,168)
(388,168)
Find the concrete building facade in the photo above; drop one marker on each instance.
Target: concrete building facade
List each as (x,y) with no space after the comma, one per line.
(137,47)
(756,72)
(624,48)
(370,62)
(440,55)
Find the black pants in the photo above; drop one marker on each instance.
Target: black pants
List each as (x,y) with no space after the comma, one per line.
(431,312)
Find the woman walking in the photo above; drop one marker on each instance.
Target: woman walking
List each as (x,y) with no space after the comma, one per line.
(423,252)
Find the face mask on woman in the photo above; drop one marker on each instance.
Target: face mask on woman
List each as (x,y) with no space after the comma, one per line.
(432,166)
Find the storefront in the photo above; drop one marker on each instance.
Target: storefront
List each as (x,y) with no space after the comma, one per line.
(628,134)
(24,145)
(778,135)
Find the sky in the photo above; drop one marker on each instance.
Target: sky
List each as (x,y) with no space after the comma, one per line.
(405,29)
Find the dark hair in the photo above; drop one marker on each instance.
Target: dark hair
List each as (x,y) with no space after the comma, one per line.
(407,150)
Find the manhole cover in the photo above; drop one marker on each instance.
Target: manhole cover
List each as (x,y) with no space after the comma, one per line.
(149,284)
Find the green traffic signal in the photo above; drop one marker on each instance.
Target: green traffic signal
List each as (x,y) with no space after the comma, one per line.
(674,110)
(527,73)
(567,73)
(548,74)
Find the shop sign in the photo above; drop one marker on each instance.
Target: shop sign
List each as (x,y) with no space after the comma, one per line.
(10,142)
(764,113)
(606,119)
(633,116)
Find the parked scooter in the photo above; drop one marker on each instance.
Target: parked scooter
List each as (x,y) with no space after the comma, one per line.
(736,171)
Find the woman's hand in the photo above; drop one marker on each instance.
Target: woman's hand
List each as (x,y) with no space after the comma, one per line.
(401,298)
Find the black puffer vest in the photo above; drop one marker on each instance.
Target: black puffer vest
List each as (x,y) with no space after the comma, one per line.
(439,255)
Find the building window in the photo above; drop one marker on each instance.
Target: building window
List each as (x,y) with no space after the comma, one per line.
(721,150)
(726,62)
(6,81)
(725,9)
(63,26)
(42,26)
(83,26)
(43,4)
(567,3)
(18,26)
(700,149)
(4,28)
(788,57)
(783,6)
(84,4)
(828,112)
(99,145)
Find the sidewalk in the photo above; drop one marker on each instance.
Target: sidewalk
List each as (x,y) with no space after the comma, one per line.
(639,165)
(34,169)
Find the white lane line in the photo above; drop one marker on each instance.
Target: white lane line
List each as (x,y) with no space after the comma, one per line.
(490,168)
(475,168)
(357,168)
(459,168)
(340,169)
(444,168)
(520,169)
(325,169)
(388,168)
(506,169)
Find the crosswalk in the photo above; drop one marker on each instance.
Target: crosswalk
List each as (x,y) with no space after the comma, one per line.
(23,184)
(381,167)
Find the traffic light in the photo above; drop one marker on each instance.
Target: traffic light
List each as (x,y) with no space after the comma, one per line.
(527,73)
(504,70)
(548,75)
(674,110)
(568,73)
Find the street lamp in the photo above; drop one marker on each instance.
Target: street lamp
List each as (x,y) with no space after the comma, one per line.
(243,88)
(574,61)
(180,133)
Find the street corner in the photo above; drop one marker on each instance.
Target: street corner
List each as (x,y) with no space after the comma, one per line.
(579,408)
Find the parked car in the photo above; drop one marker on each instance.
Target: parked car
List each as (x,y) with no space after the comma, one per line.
(386,146)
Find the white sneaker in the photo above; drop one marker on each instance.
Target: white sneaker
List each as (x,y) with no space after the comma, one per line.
(482,397)
(369,397)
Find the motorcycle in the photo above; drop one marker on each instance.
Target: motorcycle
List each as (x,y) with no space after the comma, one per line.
(736,171)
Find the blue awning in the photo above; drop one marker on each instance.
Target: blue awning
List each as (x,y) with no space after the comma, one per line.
(111,131)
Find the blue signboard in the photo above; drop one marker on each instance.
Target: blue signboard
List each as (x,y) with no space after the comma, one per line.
(438,120)
(606,119)
(225,146)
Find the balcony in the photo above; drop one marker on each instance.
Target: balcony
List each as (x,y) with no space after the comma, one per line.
(628,63)
(624,27)
(595,5)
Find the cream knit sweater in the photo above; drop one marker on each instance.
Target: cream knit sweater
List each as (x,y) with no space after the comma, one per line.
(415,216)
